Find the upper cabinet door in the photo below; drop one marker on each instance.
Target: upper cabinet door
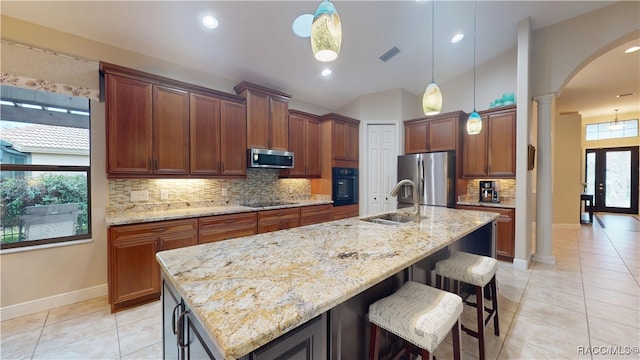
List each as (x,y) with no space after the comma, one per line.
(233,141)
(258,113)
(313,154)
(352,142)
(443,134)
(279,126)
(339,140)
(129,125)
(297,145)
(415,137)
(170,130)
(205,135)
(474,152)
(502,145)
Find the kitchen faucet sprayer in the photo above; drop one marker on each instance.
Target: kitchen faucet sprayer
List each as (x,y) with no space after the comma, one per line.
(416,205)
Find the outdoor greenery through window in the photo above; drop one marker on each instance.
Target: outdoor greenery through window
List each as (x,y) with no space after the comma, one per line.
(612,130)
(45,168)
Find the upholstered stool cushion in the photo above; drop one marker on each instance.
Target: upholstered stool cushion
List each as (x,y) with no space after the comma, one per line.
(417,313)
(469,268)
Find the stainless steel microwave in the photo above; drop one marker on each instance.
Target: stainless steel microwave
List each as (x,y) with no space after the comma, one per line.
(274,159)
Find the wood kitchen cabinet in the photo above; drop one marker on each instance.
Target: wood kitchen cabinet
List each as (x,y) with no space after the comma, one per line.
(159,127)
(433,133)
(505,233)
(223,227)
(304,142)
(345,141)
(492,152)
(315,214)
(147,128)
(346,211)
(170,131)
(217,133)
(267,116)
(133,273)
(129,125)
(278,219)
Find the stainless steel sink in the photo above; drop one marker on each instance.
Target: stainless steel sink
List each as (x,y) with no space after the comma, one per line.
(390,219)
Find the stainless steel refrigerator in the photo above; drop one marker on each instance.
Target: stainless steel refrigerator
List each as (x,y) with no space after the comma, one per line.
(434,175)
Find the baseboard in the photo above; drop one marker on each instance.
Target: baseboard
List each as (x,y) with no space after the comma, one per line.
(521,264)
(566,226)
(34,306)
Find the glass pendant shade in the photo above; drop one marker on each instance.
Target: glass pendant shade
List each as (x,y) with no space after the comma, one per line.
(432,99)
(326,33)
(474,123)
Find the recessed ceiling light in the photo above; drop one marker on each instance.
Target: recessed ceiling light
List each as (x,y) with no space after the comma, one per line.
(210,22)
(302,25)
(326,72)
(457,38)
(632,49)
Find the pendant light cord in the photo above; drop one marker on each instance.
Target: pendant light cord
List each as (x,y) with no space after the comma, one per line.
(433,46)
(474,54)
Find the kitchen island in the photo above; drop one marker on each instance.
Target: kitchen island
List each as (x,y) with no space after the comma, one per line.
(240,296)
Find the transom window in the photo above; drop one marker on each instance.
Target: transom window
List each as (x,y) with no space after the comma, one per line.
(45,175)
(612,130)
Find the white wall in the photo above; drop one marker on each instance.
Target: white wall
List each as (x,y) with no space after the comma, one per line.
(493,78)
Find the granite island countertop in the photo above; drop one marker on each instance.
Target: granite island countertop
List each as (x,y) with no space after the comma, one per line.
(251,290)
(136,215)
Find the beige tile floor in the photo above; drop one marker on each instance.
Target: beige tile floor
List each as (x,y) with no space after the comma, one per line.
(589,300)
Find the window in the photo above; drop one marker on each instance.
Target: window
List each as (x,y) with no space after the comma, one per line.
(45,174)
(605,131)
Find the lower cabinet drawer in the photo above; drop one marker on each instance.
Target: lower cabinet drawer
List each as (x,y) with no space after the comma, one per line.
(222,227)
(278,219)
(315,214)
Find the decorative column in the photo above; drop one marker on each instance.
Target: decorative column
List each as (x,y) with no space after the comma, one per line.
(544,195)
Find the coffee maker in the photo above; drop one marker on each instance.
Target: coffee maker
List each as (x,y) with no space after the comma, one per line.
(488,191)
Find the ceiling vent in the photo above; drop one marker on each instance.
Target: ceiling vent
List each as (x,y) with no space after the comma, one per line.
(389,54)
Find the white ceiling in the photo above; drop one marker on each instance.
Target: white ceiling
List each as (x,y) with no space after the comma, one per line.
(254,42)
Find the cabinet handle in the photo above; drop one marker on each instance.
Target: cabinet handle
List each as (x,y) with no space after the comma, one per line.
(156,163)
(222,166)
(229,221)
(180,328)
(162,229)
(173,319)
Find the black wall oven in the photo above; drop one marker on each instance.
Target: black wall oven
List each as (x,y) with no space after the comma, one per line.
(345,186)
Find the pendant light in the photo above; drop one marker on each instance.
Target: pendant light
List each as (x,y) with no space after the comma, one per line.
(616,125)
(432,98)
(326,32)
(474,122)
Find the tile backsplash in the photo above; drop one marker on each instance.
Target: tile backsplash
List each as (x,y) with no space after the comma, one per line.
(506,187)
(259,185)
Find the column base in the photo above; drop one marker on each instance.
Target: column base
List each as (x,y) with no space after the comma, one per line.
(544,259)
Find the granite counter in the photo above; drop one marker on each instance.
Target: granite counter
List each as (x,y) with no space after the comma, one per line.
(251,290)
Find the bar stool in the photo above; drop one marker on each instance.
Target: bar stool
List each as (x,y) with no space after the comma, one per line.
(421,315)
(478,271)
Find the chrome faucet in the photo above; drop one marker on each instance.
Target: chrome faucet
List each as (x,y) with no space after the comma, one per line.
(416,201)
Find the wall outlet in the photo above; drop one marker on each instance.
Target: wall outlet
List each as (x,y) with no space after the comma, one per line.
(224,191)
(142,195)
(164,194)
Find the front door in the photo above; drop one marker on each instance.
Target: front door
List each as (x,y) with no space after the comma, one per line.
(612,177)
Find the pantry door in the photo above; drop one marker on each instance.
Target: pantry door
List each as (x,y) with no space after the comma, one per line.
(612,177)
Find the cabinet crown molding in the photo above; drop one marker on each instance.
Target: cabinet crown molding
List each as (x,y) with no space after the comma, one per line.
(164,81)
(334,116)
(245,85)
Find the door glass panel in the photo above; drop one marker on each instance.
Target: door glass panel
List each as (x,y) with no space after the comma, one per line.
(618,179)
(591,173)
